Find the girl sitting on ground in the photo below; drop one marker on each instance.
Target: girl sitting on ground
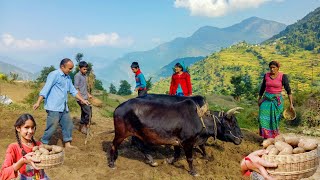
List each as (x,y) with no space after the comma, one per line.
(19,160)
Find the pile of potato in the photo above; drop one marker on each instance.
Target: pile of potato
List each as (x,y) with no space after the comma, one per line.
(288,145)
(45,149)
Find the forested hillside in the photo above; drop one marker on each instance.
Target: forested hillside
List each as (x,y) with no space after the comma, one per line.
(213,74)
(304,34)
(297,49)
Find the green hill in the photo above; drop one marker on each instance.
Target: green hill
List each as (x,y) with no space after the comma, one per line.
(304,34)
(213,74)
(291,47)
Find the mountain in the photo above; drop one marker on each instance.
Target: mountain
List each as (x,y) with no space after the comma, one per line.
(203,42)
(23,75)
(304,34)
(166,71)
(27,66)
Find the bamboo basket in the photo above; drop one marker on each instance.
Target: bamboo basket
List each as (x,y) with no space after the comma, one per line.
(50,161)
(294,166)
(289,114)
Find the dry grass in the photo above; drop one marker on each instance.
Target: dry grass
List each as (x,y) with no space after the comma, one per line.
(16,91)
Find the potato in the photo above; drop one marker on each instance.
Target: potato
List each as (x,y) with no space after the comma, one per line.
(51,152)
(273,151)
(283,147)
(298,150)
(35,148)
(292,140)
(270,147)
(267,142)
(37,152)
(44,151)
(57,149)
(308,144)
(279,138)
(48,147)
(285,152)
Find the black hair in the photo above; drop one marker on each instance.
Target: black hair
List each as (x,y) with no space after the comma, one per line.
(20,122)
(275,63)
(83,64)
(179,65)
(134,65)
(64,61)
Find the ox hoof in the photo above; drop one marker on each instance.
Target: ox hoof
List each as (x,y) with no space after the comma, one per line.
(112,166)
(194,174)
(170,160)
(153,164)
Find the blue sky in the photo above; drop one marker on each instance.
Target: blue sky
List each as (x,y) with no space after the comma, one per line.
(36,29)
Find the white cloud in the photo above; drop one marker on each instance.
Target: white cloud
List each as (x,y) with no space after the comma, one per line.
(215,8)
(103,39)
(8,42)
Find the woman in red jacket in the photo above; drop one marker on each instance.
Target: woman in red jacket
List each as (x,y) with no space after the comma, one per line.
(180,82)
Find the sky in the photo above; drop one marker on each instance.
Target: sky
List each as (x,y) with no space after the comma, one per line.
(38,30)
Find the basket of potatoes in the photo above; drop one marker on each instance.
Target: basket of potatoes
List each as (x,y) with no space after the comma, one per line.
(49,155)
(296,157)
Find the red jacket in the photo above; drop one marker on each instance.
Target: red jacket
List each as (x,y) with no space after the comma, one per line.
(184,81)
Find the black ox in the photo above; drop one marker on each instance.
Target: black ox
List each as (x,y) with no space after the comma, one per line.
(171,120)
(219,125)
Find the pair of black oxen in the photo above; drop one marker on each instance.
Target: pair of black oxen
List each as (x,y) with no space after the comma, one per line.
(173,120)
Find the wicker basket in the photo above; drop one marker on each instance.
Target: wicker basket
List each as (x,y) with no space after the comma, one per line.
(50,161)
(289,114)
(294,166)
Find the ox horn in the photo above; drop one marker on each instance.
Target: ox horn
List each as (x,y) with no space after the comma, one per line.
(233,111)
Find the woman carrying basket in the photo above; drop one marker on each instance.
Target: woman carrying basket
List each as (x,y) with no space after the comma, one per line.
(271,101)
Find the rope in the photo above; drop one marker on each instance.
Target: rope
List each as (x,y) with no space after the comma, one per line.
(215,128)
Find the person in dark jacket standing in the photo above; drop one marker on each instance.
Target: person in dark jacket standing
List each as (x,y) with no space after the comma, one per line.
(80,83)
(141,84)
(180,82)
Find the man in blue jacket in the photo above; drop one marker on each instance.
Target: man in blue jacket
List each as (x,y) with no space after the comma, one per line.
(55,95)
(141,84)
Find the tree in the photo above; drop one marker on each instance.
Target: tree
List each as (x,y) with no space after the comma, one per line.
(149,83)
(242,85)
(98,85)
(44,73)
(14,76)
(79,57)
(125,88)
(112,89)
